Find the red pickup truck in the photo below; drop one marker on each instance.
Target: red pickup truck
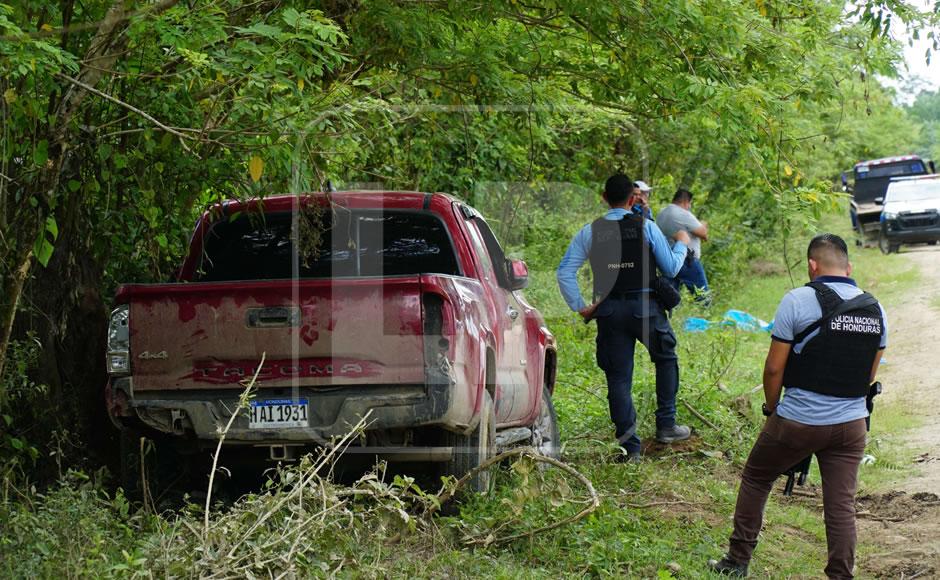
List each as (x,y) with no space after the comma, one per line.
(400,307)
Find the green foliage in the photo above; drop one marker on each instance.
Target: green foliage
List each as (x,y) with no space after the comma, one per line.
(76,530)
(926,109)
(18,394)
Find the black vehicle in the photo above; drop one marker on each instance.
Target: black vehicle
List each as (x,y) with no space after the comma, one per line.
(911,212)
(870,181)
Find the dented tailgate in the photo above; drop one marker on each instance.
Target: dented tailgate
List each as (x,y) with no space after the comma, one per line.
(312,333)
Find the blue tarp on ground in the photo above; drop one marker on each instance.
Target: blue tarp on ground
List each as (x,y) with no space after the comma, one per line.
(736,318)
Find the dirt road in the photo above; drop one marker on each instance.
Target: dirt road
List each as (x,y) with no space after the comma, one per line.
(905,522)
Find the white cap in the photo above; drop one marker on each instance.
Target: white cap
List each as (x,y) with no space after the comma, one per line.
(643,186)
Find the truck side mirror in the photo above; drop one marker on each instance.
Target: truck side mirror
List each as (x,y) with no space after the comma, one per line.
(880,200)
(845,184)
(930,164)
(518,275)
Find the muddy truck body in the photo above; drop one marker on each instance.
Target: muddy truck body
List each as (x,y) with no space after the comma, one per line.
(397,308)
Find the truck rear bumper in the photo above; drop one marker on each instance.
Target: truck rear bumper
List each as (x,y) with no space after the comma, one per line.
(333,412)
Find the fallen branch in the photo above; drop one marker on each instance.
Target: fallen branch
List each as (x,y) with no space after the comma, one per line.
(313,472)
(870,516)
(595,500)
(657,503)
(582,389)
(242,402)
(698,415)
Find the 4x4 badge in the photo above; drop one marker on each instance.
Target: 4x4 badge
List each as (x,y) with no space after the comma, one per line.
(147,355)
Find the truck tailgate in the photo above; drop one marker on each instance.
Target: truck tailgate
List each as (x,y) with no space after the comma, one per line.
(312,332)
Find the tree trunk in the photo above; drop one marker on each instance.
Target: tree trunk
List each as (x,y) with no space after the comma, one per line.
(69,317)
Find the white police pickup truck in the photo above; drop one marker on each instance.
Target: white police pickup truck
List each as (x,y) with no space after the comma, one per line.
(911,213)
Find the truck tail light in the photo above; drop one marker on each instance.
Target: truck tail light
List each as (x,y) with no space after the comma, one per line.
(118,359)
(438,319)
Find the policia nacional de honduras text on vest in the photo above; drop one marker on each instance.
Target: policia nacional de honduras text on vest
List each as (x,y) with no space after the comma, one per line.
(621,257)
(837,361)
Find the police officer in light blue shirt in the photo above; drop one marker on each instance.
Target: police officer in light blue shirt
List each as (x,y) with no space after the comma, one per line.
(624,250)
(798,309)
(827,344)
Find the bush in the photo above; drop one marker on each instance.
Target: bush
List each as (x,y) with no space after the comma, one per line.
(17,395)
(75,529)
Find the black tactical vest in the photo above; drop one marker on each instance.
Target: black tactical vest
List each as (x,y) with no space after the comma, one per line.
(838,360)
(621,257)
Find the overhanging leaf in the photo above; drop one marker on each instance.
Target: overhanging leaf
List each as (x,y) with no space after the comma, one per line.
(255,168)
(52,227)
(42,249)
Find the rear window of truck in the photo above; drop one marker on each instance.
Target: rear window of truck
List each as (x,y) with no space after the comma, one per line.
(335,245)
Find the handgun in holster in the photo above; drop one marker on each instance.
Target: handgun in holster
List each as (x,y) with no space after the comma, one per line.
(798,473)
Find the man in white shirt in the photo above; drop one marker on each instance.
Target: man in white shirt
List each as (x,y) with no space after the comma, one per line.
(675,217)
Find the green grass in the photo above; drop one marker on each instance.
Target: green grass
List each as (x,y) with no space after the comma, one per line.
(673,509)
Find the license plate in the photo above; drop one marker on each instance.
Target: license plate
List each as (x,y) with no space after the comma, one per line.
(278,413)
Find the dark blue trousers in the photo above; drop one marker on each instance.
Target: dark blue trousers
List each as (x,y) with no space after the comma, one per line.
(621,322)
(692,276)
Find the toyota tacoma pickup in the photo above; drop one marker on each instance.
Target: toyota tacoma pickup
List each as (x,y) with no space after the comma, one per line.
(399,308)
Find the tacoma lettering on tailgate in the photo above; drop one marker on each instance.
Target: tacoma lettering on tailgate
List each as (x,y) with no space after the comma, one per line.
(225,372)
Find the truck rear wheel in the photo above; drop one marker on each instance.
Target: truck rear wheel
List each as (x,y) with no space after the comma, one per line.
(470,451)
(545,438)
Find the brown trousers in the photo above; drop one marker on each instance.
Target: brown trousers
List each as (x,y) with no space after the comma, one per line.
(783,443)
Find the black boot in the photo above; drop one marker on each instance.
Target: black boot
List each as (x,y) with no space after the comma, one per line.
(631,457)
(728,567)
